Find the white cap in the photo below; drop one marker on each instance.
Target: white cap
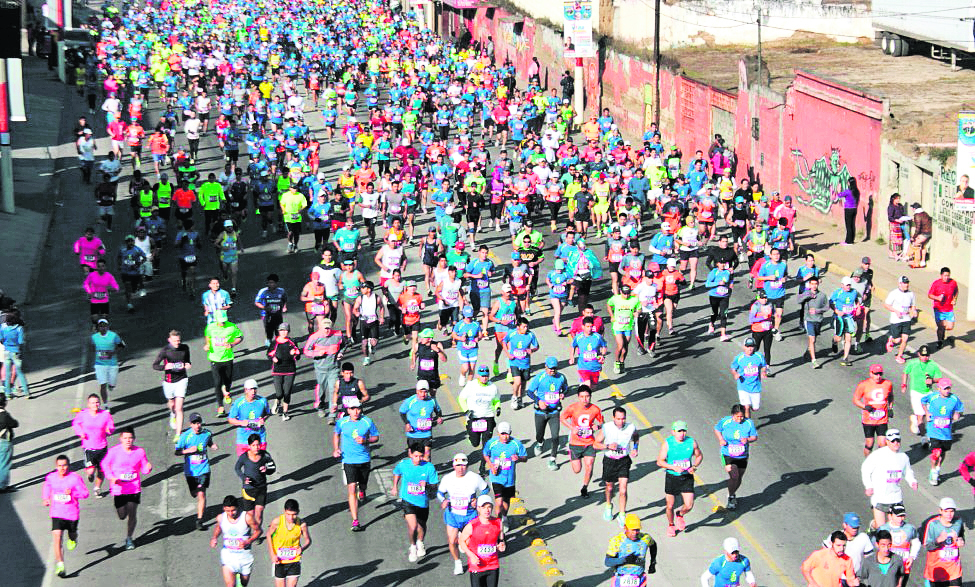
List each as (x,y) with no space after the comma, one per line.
(506,287)
(422,384)
(671,262)
(250,384)
(352,402)
(483,499)
(847,281)
(459,459)
(730,544)
(947,503)
(504,428)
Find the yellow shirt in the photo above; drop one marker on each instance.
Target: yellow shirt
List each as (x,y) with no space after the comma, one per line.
(285,541)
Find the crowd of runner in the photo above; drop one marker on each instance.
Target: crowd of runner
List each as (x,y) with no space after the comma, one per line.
(440,135)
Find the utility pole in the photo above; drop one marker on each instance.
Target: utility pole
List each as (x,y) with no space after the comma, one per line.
(6,154)
(656,63)
(758,66)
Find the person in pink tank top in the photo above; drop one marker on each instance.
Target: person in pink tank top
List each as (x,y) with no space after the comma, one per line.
(89,249)
(62,492)
(93,426)
(97,285)
(124,466)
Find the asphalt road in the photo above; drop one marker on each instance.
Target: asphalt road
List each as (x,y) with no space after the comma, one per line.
(803,473)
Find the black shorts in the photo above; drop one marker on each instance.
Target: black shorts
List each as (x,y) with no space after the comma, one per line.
(356,473)
(369,329)
(524,373)
(614,267)
(871,430)
(133,280)
(675,298)
(899,329)
(944,445)
(505,493)
(293,227)
(777,302)
(678,484)
(421,442)
(122,500)
(249,498)
(411,328)
(577,451)
(284,570)
(686,255)
(432,379)
(742,464)
(198,483)
(98,309)
(69,526)
(948,583)
(94,456)
(422,514)
(583,286)
(616,469)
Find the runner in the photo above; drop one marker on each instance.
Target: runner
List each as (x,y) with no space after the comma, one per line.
(481,540)
(426,359)
(466,335)
(124,465)
(719,282)
(920,375)
(93,426)
(547,390)
(814,305)
(944,293)
(220,338)
(680,456)
(632,554)
(943,536)
(289,540)
(734,434)
(748,369)
(882,473)
(239,531)
(324,348)
(902,306)
(272,301)
(193,445)
(481,403)
(845,302)
(249,414)
(252,467)
(858,544)
(621,442)
(284,355)
(830,566)
(583,419)
(904,538)
(501,454)
(504,315)
(97,285)
(458,493)
(729,568)
(106,344)
(884,567)
(520,343)
(941,411)
(875,398)
(89,249)
(62,493)
(351,442)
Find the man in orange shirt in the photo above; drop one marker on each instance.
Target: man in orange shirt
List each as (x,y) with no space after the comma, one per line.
(183,199)
(364,175)
(591,129)
(669,282)
(134,133)
(874,397)
(828,566)
(410,303)
(158,146)
(583,420)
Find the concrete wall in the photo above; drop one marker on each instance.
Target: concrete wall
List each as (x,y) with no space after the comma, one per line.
(722,22)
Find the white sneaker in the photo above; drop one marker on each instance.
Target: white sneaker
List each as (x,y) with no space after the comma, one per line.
(172,421)
(458,567)
(421,549)
(462,381)
(412,556)
(514,403)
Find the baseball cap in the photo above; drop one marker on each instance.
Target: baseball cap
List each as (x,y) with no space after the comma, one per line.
(284,326)
(483,370)
(228,223)
(626,289)
(551,362)
(905,279)
(130,237)
(671,263)
(426,333)
(947,503)
(422,384)
(923,350)
(460,459)
(460,245)
(851,519)
(250,384)
(352,402)
(327,323)
(898,509)
(865,260)
(893,434)
(679,425)
(196,417)
(506,287)
(410,284)
(631,522)
(876,368)
(467,311)
(847,281)
(730,545)
(559,264)
(750,342)
(944,383)
(504,428)
(102,321)
(515,256)
(484,499)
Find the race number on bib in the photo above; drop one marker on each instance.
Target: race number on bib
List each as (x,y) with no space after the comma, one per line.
(479,425)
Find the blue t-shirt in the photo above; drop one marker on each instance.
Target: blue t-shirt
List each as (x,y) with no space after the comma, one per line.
(250,411)
(942,409)
(774,288)
(719,282)
(749,370)
(733,433)
(518,348)
(844,301)
(197,463)
(803,273)
(414,480)
(467,330)
(589,347)
(421,415)
(559,289)
(516,212)
(729,573)
(105,346)
(548,389)
(348,430)
(500,454)
(481,272)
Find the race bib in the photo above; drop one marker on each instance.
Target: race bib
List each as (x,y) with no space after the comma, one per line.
(233,543)
(552,398)
(100,295)
(418,488)
(427,364)
(190,258)
(424,424)
(894,476)
(518,354)
(90,258)
(106,355)
(178,366)
(295,217)
(197,459)
(558,289)
(589,355)
(460,505)
(736,450)
(483,283)
(948,553)
(287,554)
(878,414)
(485,550)
(347,400)
(479,425)
(635,273)
(942,422)
(721,290)
(616,453)
(683,465)
(504,464)
(128,476)
(629,581)
(62,497)
(751,370)
(583,432)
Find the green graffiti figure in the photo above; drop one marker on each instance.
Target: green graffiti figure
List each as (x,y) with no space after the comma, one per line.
(819,184)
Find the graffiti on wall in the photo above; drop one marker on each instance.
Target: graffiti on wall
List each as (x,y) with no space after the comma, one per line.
(819,183)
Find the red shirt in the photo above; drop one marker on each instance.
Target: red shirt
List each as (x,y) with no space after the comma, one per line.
(948,290)
(484,542)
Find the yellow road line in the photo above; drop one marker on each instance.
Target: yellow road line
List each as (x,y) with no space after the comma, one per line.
(756,546)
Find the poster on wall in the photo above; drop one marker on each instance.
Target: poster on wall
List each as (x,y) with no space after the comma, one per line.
(578,18)
(965,156)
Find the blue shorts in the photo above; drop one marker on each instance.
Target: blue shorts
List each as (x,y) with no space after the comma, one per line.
(455,521)
(467,357)
(844,325)
(627,333)
(944,316)
(484,297)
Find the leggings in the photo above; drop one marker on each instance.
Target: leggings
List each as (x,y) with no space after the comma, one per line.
(734,479)
(764,339)
(321,238)
(223,376)
(719,310)
(283,385)
(485,578)
(395,319)
(552,420)
(646,328)
(271,323)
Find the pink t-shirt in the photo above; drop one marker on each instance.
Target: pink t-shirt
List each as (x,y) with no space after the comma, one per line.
(64,493)
(93,430)
(97,285)
(89,251)
(127,467)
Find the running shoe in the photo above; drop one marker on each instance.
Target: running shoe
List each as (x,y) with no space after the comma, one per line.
(172,421)
(552,466)
(458,567)
(725,338)
(356,527)
(129,544)
(421,550)
(617,367)
(814,364)
(285,417)
(671,531)
(679,522)
(366,361)
(584,492)
(412,554)
(59,570)
(933,477)
(777,335)
(608,513)
(732,502)
(889,345)
(226,399)
(900,359)
(496,370)
(710,328)
(70,544)
(621,519)
(846,363)
(199,525)
(640,350)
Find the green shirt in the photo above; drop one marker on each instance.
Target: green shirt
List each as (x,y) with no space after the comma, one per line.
(219,339)
(211,195)
(917,373)
(292,203)
(624,312)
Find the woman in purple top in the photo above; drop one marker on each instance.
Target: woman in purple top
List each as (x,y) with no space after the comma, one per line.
(851,200)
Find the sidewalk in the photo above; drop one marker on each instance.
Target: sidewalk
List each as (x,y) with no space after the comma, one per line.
(822,238)
(42,150)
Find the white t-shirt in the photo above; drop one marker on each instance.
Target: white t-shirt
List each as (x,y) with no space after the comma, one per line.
(902,301)
(460,490)
(192,128)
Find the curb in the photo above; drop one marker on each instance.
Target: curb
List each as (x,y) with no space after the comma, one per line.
(539,548)
(924,318)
